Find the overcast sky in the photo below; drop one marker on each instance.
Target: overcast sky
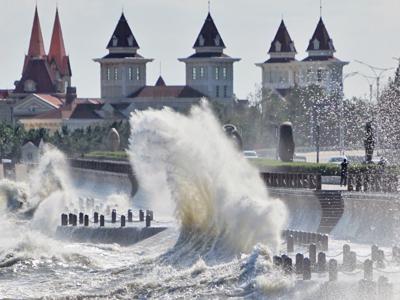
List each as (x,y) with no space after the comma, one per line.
(367,30)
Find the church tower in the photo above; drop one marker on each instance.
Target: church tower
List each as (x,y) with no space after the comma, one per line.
(123,70)
(58,58)
(36,74)
(209,70)
(42,73)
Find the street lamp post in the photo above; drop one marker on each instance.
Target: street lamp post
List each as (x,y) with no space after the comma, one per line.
(341,129)
(317,142)
(378,72)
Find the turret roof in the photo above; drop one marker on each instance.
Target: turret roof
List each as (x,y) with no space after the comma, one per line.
(122,36)
(209,35)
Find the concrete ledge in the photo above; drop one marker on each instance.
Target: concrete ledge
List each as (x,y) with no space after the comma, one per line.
(120,235)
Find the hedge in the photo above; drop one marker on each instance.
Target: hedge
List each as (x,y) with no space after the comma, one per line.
(107,155)
(325,169)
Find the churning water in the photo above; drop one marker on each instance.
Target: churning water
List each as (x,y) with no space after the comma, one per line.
(223,230)
(223,225)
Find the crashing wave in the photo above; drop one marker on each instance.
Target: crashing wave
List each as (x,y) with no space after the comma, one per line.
(49,176)
(187,162)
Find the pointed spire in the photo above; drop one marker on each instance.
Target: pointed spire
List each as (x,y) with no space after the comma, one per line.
(209,36)
(36,45)
(123,36)
(282,42)
(57,51)
(321,40)
(160,81)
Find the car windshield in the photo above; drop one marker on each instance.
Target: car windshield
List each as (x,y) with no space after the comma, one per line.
(336,159)
(250,153)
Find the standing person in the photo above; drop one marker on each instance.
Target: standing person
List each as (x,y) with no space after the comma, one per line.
(343,172)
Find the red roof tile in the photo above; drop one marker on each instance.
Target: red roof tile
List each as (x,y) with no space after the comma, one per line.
(36,45)
(167,92)
(57,51)
(57,102)
(37,70)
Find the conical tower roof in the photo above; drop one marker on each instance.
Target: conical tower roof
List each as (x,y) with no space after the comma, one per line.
(282,41)
(36,45)
(209,35)
(123,36)
(160,81)
(57,51)
(321,40)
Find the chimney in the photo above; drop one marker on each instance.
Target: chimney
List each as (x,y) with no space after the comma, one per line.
(71,95)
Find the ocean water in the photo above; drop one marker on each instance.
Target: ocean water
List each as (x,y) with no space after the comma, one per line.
(223,226)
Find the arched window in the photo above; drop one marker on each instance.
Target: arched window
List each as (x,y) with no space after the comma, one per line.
(130,41)
(114,41)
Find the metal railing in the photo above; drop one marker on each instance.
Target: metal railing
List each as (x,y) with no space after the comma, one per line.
(292,180)
(387,183)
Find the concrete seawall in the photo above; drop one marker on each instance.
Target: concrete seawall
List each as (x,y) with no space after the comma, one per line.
(101,182)
(370,218)
(357,216)
(310,210)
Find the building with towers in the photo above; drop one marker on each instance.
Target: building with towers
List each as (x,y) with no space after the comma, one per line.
(123,69)
(209,73)
(209,70)
(282,71)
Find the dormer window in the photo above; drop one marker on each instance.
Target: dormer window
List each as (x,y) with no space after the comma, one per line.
(114,41)
(316,44)
(278,46)
(130,41)
(330,45)
(292,47)
(29,86)
(217,40)
(201,40)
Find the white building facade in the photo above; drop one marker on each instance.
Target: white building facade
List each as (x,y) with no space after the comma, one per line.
(209,70)
(123,70)
(282,71)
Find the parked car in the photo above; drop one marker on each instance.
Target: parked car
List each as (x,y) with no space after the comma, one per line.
(250,154)
(337,160)
(299,158)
